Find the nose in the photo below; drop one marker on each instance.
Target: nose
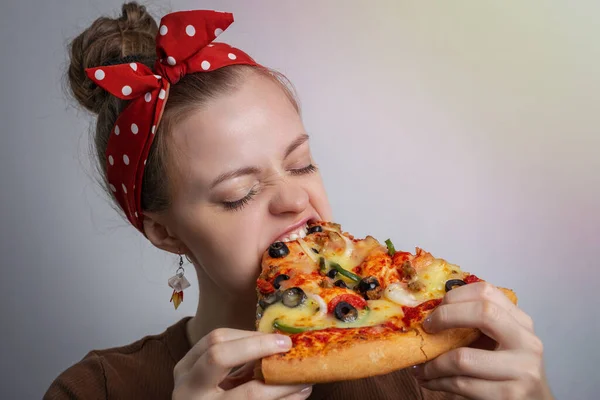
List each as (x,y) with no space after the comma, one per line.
(290,198)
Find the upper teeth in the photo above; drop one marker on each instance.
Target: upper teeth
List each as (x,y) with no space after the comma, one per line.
(300,233)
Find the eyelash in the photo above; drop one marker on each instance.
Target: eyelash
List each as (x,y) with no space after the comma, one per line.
(239,204)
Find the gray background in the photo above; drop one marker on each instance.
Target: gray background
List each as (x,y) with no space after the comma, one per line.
(467,128)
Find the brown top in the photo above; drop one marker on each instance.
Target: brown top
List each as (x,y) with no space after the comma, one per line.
(144,370)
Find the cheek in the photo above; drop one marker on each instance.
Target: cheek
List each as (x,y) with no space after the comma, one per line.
(225,245)
(319,199)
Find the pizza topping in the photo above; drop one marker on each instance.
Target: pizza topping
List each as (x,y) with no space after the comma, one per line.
(370,288)
(264,287)
(307,250)
(288,328)
(278,279)
(270,299)
(345,312)
(314,229)
(408,272)
(332,273)
(452,283)
(390,246)
(278,250)
(416,286)
(340,283)
(322,265)
(472,279)
(293,297)
(322,307)
(344,272)
(396,293)
(352,299)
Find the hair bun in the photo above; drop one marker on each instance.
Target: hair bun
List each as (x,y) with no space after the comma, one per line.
(108,39)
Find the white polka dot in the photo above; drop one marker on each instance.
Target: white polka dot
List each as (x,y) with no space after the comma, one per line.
(211,45)
(99,74)
(136,214)
(117,130)
(190,30)
(148,97)
(125,159)
(171,60)
(218,31)
(164,30)
(205,65)
(126,90)
(145,162)
(111,160)
(158,77)
(113,188)
(124,188)
(231,56)
(153,129)
(134,129)
(133,66)
(162,94)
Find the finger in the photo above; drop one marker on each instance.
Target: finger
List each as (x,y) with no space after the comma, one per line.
(257,390)
(474,363)
(473,388)
(241,376)
(301,395)
(493,320)
(215,363)
(217,336)
(486,291)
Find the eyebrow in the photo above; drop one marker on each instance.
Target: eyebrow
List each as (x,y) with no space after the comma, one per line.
(295,144)
(254,170)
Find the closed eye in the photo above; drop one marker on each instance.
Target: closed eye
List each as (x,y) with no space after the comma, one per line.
(305,170)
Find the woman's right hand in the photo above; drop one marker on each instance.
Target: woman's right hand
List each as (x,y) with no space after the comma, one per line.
(203,372)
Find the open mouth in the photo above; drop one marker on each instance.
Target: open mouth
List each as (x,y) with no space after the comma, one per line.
(294,235)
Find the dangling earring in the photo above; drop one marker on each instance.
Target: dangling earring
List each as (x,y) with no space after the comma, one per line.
(178,283)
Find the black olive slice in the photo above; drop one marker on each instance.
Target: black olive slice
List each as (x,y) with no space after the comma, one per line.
(293,297)
(370,288)
(332,273)
(278,279)
(454,282)
(340,283)
(278,250)
(345,312)
(315,250)
(315,229)
(269,300)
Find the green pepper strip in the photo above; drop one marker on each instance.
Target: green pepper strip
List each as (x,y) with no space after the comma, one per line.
(287,328)
(350,275)
(322,266)
(390,246)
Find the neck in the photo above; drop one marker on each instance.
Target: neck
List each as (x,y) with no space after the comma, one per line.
(217,309)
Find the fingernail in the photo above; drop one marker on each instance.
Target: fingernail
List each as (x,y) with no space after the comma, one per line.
(417,371)
(283,341)
(306,389)
(427,323)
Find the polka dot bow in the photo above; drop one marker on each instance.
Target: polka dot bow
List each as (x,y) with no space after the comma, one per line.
(184,45)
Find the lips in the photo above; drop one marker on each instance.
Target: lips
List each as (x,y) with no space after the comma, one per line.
(296,231)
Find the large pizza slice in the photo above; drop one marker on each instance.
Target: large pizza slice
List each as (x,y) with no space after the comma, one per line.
(353,307)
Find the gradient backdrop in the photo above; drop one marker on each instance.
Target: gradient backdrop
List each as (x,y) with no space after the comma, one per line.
(469,128)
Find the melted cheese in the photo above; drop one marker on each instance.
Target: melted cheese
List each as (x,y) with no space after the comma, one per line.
(433,277)
(307,316)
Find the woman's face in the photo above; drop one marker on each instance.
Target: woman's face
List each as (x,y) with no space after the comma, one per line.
(245,178)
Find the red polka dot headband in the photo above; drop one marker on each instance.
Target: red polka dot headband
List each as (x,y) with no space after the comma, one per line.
(184,45)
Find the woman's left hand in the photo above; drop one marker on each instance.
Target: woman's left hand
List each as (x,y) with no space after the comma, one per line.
(513,370)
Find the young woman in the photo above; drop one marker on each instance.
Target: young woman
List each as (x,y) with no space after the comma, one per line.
(205,153)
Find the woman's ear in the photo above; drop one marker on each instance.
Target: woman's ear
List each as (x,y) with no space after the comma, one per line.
(160,236)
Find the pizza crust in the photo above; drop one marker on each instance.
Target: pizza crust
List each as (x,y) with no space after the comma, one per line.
(369,358)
